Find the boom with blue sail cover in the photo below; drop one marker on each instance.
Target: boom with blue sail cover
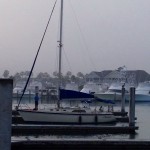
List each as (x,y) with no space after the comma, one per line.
(76,95)
(70,94)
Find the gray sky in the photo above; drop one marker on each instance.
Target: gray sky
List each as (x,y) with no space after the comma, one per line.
(98,35)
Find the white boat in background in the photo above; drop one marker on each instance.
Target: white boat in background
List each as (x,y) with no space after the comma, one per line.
(30,91)
(17,90)
(142,92)
(114,92)
(33,84)
(120,79)
(67,116)
(92,88)
(72,86)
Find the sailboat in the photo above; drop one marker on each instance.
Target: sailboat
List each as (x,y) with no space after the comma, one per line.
(67,115)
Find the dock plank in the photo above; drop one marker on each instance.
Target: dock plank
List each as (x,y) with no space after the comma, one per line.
(70,129)
(80,144)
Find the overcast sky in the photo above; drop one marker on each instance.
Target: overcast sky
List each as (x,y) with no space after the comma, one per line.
(97,35)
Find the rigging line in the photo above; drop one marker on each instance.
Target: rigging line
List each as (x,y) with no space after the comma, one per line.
(36,55)
(82,36)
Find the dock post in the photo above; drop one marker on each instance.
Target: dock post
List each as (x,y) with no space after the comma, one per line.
(80,119)
(123,100)
(6,86)
(132,107)
(96,119)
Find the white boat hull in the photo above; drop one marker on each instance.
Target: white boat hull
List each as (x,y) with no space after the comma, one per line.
(65,117)
(140,97)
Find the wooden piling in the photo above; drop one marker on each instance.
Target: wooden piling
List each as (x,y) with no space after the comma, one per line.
(123,100)
(6,86)
(132,107)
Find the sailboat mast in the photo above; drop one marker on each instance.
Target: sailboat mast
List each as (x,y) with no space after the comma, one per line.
(60,41)
(60,45)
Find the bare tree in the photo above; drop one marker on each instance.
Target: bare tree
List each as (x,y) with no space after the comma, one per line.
(80,75)
(6,74)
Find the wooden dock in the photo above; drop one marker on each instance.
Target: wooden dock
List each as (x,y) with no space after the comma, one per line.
(21,128)
(82,144)
(26,129)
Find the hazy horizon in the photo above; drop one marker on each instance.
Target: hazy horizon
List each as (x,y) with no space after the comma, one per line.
(97,35)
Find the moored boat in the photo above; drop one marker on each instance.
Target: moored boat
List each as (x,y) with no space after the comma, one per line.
(114,92)
(66,116)
(60,115)
(142,92)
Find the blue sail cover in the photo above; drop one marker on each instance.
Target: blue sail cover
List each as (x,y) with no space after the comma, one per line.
(84,97)
(70,94)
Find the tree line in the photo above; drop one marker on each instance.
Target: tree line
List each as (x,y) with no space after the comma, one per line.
(45,77)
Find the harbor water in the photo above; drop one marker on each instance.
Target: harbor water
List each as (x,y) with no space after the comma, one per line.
(142,113)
